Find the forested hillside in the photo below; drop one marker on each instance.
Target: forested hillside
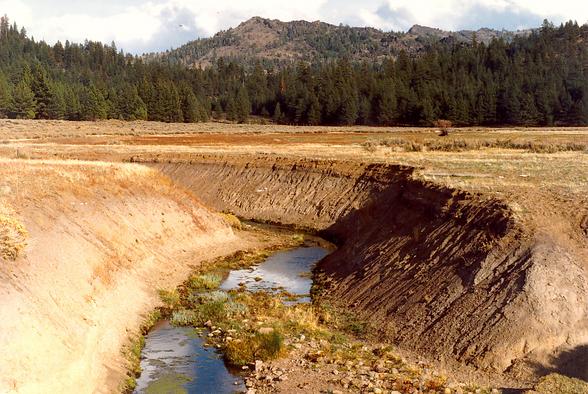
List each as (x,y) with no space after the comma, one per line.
(541,79)
(276,43)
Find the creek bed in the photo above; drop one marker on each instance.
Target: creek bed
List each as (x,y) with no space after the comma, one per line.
(175,359)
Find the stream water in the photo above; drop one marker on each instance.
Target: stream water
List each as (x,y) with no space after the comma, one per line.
(175,360)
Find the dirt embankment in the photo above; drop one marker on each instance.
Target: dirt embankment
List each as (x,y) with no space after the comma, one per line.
(440,271)
(99,241)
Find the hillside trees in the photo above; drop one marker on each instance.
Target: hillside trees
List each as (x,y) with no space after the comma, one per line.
(541,79)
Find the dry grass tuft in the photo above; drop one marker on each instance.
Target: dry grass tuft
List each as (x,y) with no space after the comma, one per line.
(232,220)
(13,237)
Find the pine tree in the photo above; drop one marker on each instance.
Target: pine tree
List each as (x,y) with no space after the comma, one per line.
(243,105)
(56,105)
(72,104)
(23,101)
(129,104)
(314,111)
(231,109)
(190,106)
(43,95)
(278,117)
(93,105)
(5,96)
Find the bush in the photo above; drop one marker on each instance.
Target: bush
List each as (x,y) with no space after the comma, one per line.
(205,282)
(183,317)
(555,383)
(258,347)
(444,125)
(232,220)
(13,238)
(370,146)
(171,298)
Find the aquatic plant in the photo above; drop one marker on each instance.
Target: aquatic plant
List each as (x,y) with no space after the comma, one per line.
(209,281)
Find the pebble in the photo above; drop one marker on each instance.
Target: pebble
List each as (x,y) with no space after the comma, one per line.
(447,390)
(266,330)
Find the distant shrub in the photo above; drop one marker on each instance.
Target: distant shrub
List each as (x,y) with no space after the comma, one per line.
(405,145)
(444,125)
(370,146)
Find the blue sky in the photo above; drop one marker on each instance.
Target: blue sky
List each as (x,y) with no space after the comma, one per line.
(144,26)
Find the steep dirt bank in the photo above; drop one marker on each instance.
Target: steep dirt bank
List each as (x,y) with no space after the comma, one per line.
(444,272)
(102,238)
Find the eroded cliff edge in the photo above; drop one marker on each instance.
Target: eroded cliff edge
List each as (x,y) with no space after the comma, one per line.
(441,271)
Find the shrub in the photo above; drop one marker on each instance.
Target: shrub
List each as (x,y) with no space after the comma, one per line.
(257,347)
(232,220)
(171,298)
(370,146)
(13,238)
(183,317)
(205,282)
(555,383)
(214,311)
(444,125)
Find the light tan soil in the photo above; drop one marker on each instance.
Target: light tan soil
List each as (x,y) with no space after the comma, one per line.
(102,239)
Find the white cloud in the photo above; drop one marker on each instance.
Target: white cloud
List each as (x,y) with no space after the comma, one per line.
(160,24)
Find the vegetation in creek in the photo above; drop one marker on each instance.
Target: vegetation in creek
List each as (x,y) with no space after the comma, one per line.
(132,352)
(252,328)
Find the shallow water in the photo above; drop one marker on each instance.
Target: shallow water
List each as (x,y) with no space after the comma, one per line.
(174,359)
(286,270)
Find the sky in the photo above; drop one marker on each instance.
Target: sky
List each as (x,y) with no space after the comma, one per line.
(145,26)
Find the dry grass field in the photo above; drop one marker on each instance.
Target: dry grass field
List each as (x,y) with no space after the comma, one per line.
(534,169)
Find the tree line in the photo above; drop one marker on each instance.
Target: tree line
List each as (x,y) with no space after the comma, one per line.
(536,80)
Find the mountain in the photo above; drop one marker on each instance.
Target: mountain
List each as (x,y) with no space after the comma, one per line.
(277,42)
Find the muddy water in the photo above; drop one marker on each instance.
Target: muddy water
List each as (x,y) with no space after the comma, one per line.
(175,360)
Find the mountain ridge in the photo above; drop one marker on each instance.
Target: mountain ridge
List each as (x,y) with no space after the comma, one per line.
(274,42)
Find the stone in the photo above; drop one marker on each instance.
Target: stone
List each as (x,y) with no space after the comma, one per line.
(377,390)
(251,391)
(266,330)
(258,365)
(208,324)
(447,390)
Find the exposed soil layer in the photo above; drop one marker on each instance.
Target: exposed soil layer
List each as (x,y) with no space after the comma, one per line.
(448,273)
(100,240)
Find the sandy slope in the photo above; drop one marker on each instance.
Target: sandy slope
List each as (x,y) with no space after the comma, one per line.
(102,239)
